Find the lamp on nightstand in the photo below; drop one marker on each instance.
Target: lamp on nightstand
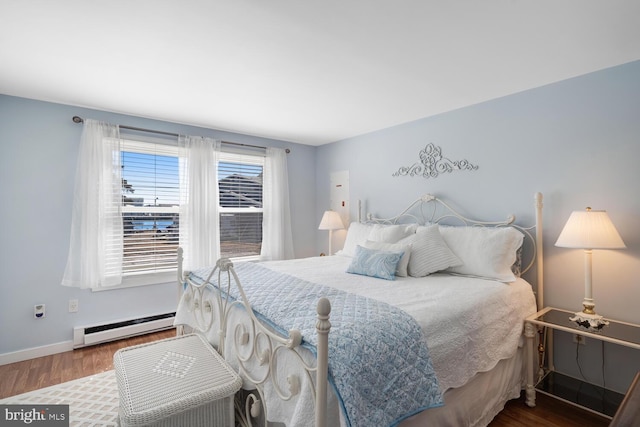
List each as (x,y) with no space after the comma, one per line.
(331,221)
(589,230)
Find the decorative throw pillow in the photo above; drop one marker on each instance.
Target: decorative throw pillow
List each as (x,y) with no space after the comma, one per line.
(357,234)
(401,269)
(374,263)
(487,252)
(429,252)
(391,233)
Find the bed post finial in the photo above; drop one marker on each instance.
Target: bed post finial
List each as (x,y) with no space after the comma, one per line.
(322,327)
(324,309)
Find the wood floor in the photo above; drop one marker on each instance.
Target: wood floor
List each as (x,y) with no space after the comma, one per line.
(20,377)
(549,412)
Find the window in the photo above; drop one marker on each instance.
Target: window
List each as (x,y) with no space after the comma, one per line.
(240,188)
(150,207)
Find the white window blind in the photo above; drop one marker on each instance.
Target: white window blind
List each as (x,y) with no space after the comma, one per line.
(151,205)
(150,210)
(240,188)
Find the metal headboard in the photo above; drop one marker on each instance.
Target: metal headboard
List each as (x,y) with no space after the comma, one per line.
(430,209)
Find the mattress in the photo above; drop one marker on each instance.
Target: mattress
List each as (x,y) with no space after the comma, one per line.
(470,323)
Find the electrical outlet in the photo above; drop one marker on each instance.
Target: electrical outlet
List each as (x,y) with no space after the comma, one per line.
(580,339)
(39,311)
(73,305)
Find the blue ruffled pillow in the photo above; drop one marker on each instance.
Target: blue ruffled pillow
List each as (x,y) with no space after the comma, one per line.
(375,263)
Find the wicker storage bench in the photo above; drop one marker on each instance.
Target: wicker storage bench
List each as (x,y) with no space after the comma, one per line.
(176,382)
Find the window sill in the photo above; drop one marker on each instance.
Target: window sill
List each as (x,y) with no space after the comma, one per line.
(161,278)
(143,280)
(252,258)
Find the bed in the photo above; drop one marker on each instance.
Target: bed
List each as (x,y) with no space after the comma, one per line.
(418,320)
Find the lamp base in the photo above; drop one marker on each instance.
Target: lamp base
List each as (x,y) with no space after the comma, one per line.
(589,321)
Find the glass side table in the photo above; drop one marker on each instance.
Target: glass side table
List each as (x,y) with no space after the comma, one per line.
(571,390)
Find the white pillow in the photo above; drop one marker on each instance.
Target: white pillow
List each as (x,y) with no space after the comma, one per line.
(429,252)
(357,234)
(391,233)
(401,269)
(487,252)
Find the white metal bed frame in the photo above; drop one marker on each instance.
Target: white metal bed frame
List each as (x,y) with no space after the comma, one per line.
(260,344)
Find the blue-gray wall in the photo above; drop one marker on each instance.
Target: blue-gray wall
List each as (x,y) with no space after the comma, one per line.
(37,169)
(576,141)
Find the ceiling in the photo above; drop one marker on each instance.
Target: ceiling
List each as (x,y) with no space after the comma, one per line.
(304,71)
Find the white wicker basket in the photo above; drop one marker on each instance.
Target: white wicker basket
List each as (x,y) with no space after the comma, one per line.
(175,382)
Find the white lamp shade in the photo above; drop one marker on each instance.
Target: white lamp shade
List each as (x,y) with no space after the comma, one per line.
(331,221)
(590,229)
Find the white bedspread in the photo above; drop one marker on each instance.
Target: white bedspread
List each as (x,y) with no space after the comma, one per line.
(471,324)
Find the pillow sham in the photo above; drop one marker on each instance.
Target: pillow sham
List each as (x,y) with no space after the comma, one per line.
(357,234)
(401,269)
(429,252)
(486,252)
(391,233)
(374,263)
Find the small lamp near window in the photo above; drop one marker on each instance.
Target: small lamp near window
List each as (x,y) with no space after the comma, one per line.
(589,229)
(331,221)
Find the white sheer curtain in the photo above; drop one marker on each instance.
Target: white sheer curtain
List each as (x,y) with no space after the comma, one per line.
(277,240)
(199,216)
(95,247)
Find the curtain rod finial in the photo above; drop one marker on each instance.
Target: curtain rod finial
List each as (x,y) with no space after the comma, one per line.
(77,119)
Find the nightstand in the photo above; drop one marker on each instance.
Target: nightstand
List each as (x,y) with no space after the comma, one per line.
(561,386)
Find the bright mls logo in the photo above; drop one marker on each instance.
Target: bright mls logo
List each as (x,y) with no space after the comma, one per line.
(36,415)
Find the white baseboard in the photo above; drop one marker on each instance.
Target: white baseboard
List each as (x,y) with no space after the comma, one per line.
(32,353)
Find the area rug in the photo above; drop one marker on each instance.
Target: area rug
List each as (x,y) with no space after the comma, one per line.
(93,401)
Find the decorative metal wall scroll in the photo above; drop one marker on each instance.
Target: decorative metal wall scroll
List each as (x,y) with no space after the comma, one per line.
(433,164)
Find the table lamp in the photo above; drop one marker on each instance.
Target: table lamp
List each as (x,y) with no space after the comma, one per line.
(331,221)
(589,229)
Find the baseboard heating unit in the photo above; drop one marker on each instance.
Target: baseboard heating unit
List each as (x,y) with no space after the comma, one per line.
(90,335)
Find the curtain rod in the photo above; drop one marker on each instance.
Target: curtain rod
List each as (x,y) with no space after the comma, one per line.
(78,119)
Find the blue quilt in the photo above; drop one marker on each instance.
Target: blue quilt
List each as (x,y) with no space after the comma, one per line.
(379,363)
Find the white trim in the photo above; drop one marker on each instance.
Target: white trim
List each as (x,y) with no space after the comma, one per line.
(146,279)
(34,352)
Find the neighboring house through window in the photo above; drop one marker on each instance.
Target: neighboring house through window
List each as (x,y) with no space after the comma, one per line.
(240,190)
